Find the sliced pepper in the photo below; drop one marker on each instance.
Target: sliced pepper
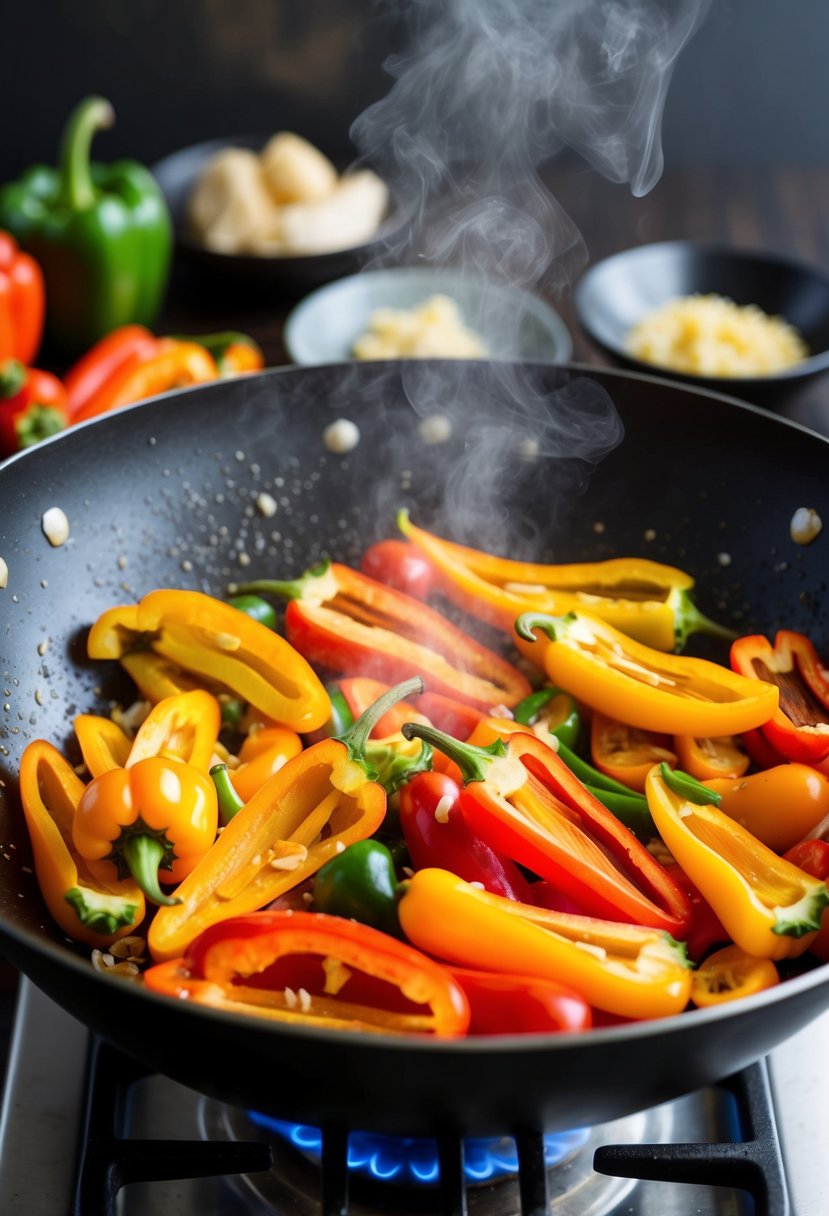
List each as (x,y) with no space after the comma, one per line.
(525,803)
(102,742)
(638,685)
(729,975)
(318,970)
(164,366)
(626,753)
(234,353)
(628,970)
(349,623)
(769,908)
(779,805)
(314,807)
(263,753)
(644,599)
(799,730)
(204,636)
(153,819)
(182,727)
(156,677)
(87,909)
(709,759)
(98,364)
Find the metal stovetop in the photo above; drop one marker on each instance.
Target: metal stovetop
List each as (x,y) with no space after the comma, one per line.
(40,1119)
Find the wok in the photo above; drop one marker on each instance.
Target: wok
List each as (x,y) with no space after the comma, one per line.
(164,493)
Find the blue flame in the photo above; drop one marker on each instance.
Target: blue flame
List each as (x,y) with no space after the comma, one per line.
(407,1162)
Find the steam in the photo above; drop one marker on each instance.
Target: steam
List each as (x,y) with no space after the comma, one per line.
(485,95)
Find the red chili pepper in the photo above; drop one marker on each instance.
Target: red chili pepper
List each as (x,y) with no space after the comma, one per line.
(799,729)
(127,343)
(317,969)
(706,929)
(448,843)
(812,856)
(524,802)
(400,565)
(22,302)
(32,406)
(343,620)
(520,1004)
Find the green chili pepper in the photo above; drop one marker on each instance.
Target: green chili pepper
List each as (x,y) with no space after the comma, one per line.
(233,711)
(229,801)
(101,233)
(341,715)
(360,883)
(631,809)
(256,608)
(688,787)
(556,709)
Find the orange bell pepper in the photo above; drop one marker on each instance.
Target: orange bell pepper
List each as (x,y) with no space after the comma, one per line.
(182,727)
(641,686)
(317,970)
(779,805)
(168,365)
(730,974)
(94,369)
(626,753)
(709,759)
(263,753)
(87,908)
(102,742)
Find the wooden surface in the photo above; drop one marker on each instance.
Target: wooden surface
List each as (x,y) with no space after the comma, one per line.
(784,212)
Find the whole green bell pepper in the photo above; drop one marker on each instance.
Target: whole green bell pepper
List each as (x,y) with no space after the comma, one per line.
(101,233)
(360,883)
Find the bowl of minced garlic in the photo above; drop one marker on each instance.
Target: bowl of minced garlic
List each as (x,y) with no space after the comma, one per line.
(709,335)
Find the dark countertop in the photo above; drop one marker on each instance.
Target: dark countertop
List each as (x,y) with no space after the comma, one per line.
(783,211)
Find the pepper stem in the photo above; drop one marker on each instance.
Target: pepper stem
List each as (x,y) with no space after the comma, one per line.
(229,801)
(688,619)
(356,736)
(290,589)
(142,855)
(528,622)
(93,114)
(471,760)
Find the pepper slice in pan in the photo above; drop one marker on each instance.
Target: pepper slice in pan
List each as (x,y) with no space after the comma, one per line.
(207,637)
(520,1004)
(318,970)
(624,752)
(641,686)
(710,759)
(525,803)
(87,908)
(313,808)
(644,599)
(623,969)
(799,730)
(730,974)
(769,907)
(350,623)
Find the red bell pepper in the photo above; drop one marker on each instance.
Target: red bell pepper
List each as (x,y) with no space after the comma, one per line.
(812,856)
(321,970)
(32,406)
(437,834)
(22,302)
(520,1004)
(400,565)
(525,802)
(343,620)
(799,729)
(110,355)
(706,929)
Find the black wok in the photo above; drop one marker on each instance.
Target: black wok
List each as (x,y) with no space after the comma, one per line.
(164,494)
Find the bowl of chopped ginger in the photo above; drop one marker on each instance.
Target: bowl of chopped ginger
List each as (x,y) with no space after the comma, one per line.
(752,323)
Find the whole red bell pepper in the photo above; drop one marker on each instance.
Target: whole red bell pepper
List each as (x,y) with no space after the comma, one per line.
(437,834)
(349,623)
(22,302)
(520,1004)
(32,406)
(316,969)
(799,729)
(526,804)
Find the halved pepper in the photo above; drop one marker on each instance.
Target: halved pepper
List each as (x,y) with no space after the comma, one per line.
(729,975)
(263,753)
(313,808)
(769,907)
(709,759)
(628,970)
(624,752)
(207,637)
(644,599)
(318,970)
(641,686)
(88,909)
(102,742)
(166,365)
(181,727)
(799,729)
(526,804)
(349,623)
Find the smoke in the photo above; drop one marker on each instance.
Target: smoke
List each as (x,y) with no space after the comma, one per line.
(485,95)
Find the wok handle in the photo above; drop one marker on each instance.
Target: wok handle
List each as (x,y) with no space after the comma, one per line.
(752,1163)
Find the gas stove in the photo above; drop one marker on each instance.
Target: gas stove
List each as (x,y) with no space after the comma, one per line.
(86,1132)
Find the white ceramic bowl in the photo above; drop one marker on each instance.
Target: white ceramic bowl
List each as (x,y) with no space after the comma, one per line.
(513,324)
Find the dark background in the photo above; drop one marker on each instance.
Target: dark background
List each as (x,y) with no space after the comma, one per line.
(750,89)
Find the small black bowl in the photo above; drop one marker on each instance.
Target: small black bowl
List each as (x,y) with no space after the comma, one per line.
(618,291)
(288,275)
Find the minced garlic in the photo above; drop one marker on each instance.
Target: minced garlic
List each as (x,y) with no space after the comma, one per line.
(55,526)
(434,329)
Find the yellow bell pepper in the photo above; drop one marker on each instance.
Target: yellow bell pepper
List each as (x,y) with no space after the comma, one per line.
(102,742)
(222,645)
(728,975)
(183,727)
(627,970)
(769,908)
(87,909)
(156,677)
(644,599)
(263,753)
(670,694)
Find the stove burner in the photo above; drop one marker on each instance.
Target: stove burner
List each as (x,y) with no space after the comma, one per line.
(414,1162)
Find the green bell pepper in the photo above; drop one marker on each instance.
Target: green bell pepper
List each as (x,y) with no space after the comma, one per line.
(101,233)
(556,709)
(360,884)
